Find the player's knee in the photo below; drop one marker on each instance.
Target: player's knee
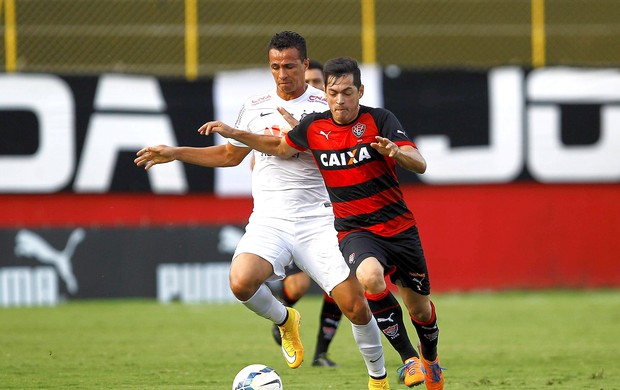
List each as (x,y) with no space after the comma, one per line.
(241,287)
(370,275)
(295,293)
(372,282)
(421,313)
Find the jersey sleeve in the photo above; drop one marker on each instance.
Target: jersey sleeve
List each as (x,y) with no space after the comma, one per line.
(242,123)
(298,136)
(390,127)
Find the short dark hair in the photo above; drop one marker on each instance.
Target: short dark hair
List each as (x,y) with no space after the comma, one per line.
(287,40)
(342,66)
(314,64)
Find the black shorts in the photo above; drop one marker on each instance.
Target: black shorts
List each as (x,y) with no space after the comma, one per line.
(292,269)
(401,255)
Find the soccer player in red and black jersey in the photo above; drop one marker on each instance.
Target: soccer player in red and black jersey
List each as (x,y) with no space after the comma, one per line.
(356,149)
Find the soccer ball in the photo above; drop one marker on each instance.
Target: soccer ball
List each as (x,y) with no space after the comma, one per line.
(257,377)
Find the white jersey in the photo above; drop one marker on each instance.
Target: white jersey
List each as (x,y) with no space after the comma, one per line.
(284,188)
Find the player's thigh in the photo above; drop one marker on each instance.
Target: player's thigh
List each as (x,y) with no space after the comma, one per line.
(367,257)
(269,239)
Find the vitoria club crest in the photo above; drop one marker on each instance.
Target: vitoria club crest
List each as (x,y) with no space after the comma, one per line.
(358,129)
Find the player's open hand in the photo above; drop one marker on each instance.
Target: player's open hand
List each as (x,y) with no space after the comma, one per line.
(154,155)
(385,147)
(288,117)
(216,127)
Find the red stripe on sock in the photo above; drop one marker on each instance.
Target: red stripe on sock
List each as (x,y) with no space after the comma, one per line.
(432,319)
(377,296)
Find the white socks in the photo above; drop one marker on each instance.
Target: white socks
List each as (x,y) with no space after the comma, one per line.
(266,305)
(368,338)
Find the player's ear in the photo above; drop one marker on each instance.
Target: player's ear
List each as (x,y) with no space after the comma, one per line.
(306,64)
(361,91)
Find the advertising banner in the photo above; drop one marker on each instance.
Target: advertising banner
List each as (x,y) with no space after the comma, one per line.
(48,266)
(521,190)
(495,126)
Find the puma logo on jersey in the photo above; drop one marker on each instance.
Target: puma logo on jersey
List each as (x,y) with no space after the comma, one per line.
(350,157)
(400,131)
(326,135)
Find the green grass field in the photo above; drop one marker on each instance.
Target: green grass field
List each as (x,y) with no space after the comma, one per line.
(513,340)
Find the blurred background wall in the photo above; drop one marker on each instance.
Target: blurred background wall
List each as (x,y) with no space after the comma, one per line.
(163,37)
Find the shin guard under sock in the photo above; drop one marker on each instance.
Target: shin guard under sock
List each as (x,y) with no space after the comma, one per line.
(368,339)
(389,316)
(266,305)
(428,333)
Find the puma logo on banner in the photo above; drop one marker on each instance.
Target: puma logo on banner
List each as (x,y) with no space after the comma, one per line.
(30,244)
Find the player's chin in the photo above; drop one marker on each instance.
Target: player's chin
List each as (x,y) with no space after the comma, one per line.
(287,87)
(342,116)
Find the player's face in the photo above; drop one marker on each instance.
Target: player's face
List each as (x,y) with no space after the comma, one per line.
(343,98)
(314,77)
(287,69)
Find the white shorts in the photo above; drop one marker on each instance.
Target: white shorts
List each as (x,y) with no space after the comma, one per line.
(311,242)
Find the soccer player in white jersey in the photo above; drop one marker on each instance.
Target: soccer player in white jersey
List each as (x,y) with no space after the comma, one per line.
(292,216)
(296,284)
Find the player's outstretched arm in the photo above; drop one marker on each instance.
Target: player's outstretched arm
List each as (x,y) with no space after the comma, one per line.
(212,156)
(270,144)
(406,156)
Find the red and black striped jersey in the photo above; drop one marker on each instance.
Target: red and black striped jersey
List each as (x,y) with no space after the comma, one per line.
(361,182)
